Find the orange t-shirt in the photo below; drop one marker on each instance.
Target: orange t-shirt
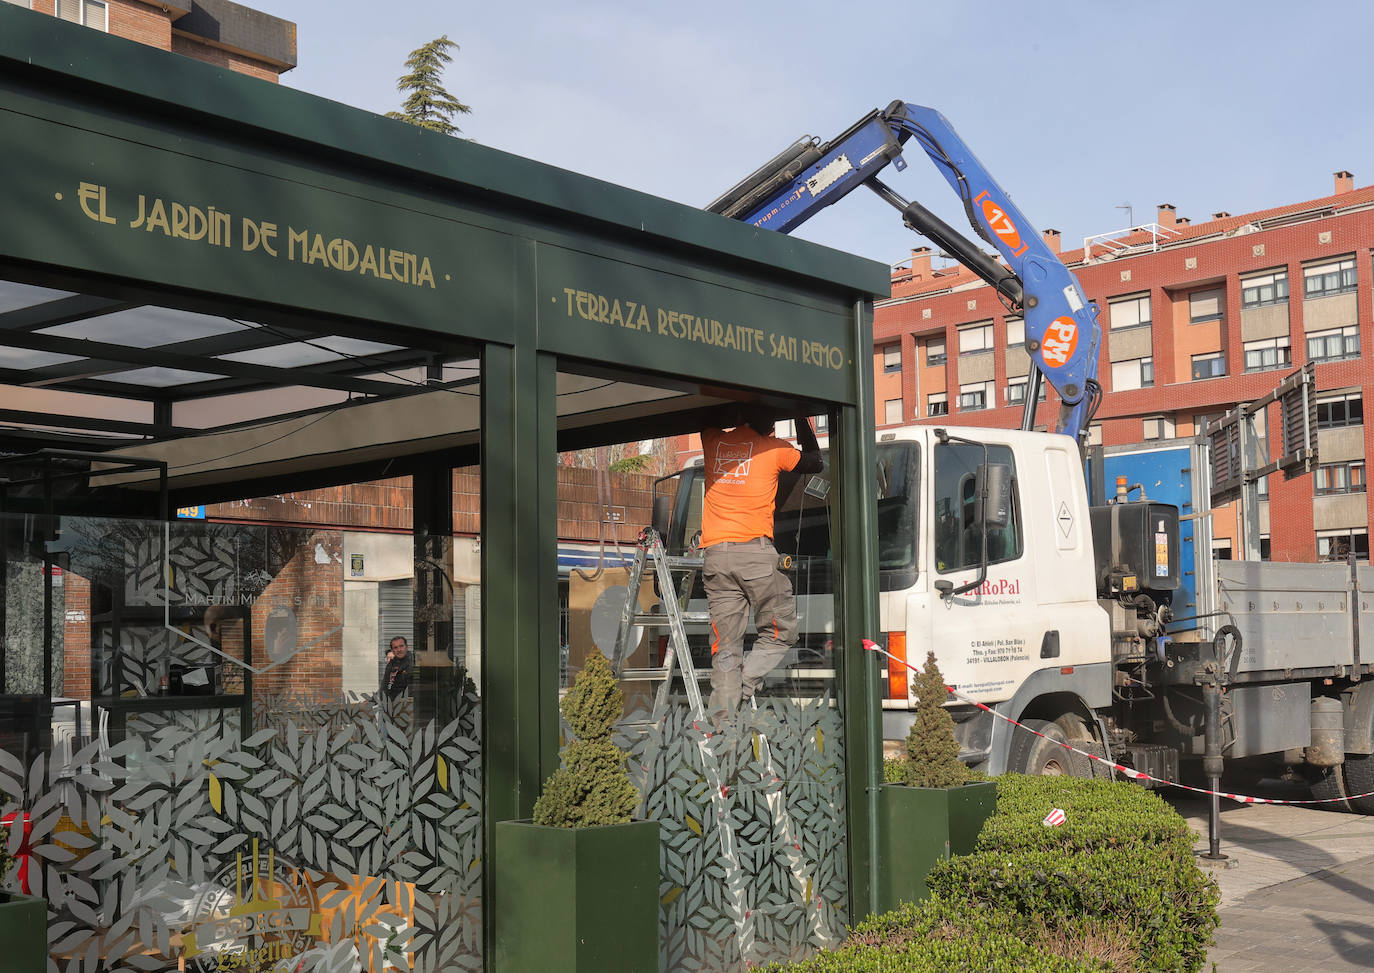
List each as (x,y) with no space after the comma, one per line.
(742,470)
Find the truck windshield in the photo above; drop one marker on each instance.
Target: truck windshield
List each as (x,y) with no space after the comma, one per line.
(802,517)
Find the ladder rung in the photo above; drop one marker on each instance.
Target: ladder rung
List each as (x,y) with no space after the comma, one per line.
(636,675)
(660,619)
(685,563)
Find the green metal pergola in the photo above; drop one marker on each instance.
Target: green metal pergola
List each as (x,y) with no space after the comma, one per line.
(175,239)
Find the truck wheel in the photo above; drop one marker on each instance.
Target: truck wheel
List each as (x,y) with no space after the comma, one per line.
(1331,786)
(1039,757)
(1359,767)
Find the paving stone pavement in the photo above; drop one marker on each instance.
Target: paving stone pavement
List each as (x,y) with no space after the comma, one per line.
(1297,887)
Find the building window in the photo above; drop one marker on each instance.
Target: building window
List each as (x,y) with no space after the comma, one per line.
(935,351)
(1158,427)
(1267,353)
(1016,332)
(937,404)
(1221,548)
(974,397)
(1328,279)
(1334,545)
(1130,312)
(1264,547)
(1210,365)
(1263,488)
(975,339)
(821,422)
(1331,478)
(1134,373)
(1264,289)
(892,358)
(977,395)
(892,411)
(1016,391)
(88,13)
(1205,305)
(1340,410)
(1334,345)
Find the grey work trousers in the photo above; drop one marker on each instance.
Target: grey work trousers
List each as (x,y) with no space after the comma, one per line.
(740,576)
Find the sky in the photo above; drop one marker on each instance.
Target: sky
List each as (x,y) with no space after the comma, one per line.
(1077,108)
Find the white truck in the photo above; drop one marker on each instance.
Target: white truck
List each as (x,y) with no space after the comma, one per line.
(1108,625)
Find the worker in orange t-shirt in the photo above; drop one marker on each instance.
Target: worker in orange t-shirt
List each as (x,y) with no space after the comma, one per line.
(741,564)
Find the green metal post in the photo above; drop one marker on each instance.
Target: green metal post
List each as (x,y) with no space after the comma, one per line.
(852,453)
(519,586)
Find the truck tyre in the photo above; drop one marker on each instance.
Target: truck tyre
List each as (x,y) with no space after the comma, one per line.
(1330,786)
(1039,757)
(1359,778)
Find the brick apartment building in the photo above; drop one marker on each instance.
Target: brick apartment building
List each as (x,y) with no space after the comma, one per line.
(214,31)
(1196,317)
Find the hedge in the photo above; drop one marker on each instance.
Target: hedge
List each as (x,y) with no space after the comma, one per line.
(935,937)
(1113,888)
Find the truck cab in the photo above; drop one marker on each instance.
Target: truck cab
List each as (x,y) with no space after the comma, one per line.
(1013,617)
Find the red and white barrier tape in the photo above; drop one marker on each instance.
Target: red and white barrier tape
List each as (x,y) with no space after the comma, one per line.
(1130,772)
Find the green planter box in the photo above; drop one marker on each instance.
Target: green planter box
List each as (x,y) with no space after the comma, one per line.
(580,900)
(918,826)
(23,933)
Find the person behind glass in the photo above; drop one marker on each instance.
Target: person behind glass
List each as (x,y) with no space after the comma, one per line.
(740,569)
(396,678)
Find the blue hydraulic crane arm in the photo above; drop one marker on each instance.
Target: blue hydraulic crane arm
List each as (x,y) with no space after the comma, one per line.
(1062,333)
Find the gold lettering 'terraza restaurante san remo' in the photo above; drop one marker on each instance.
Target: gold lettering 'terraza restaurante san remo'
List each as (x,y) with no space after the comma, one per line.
(294,577)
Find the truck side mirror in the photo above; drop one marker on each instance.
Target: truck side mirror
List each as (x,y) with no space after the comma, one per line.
(662,515)
(996,477)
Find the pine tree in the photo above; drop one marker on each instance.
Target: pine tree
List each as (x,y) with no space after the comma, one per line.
(592,787)
(932,752)
(428,104)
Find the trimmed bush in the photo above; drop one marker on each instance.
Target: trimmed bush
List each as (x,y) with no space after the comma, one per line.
(1167,899)
(934,937)
(932,752)
(1115,888)
(1100,814)
(592,787)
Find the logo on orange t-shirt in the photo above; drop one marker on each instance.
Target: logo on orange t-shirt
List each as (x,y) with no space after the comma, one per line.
(732,462)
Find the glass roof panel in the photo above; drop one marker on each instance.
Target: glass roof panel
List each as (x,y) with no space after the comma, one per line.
(146,327)
(14,296)
(24,358)
(159,377)
(326,349)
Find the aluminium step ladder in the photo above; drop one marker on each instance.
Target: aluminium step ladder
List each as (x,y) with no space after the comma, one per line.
(673,597)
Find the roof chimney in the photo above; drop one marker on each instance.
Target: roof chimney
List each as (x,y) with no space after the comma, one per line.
(1184,221)
(1221,214)
(1345,182)
(1052,240)
(1166,215)
(920,263)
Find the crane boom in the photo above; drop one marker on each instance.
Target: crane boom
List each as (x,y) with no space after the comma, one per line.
(1062,332)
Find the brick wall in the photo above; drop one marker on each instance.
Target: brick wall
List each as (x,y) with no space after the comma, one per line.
(1168,275)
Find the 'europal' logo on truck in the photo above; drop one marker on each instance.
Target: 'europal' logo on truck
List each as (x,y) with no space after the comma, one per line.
(1007,586)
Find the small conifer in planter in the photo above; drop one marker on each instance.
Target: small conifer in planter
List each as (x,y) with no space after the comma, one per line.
(592,787)
(936,808)
(932,752)
(577,887)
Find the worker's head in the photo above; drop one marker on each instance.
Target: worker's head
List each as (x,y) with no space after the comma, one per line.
(757,418)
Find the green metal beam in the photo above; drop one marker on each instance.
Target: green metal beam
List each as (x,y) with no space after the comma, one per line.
(852,453)
(519,580)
